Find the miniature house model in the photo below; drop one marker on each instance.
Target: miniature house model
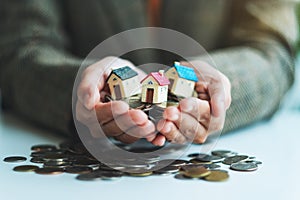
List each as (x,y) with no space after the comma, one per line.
(182,80)
(123,82)
(155,88)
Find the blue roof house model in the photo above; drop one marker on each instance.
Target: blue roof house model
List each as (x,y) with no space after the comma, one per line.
(182,80)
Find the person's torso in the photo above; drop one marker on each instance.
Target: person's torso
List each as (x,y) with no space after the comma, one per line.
(92,21)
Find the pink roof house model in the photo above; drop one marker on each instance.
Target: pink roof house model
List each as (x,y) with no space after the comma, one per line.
(155,88)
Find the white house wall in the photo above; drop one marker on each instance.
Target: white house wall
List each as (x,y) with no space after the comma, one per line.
(183,87)
(131,86)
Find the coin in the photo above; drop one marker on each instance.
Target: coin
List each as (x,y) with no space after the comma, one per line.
(243,166)
(59,164)
(209,158)
(193,155)
(15,159)
(182,177)
(78,170)
(25,168)
(223,153)
(143,174)
(234,159)
(55,157)
(88,177)
(49,171)
(171,162)
(43,147)
(197,161)
(104,175)
(37,160)
(196,172)
(217,175)
(166,170)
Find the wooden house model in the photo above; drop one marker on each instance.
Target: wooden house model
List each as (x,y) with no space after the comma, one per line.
(155,88)
(123,82)
(182,80)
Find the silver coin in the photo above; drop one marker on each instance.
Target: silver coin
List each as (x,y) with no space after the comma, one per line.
(167,170)
(254,161)
(243,166)
(223,153)
(234,159)
(209,158)
(182,177)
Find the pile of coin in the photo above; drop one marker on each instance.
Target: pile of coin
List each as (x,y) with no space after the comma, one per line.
(75,159)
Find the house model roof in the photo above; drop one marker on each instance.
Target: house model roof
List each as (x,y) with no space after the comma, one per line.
(124,73)
(186,72)
(160,78)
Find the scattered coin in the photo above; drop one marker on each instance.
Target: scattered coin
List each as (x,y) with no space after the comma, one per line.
(78,170)
(15,159)
(38,160)
(49,171)
(43,147)
(197,161)
(25,168)
(182,177)
(143,174)
(167,170)
(223,153)
(209,158)
(217,175)
(73,158)
(196,172)
(234,159)
(244,166)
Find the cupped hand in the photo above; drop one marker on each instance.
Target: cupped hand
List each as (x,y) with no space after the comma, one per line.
(115,118)
(195,118)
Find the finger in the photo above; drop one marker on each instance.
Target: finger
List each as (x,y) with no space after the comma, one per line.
(217,98)
(159,140)
(108,111)
(88,90)
(125,138)
(171,132)
(128,123)
(197,108)
(83,115)
(141,131)
(192,129)
(201,87)
(171,113)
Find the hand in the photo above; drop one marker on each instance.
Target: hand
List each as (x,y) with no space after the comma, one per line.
(197,118)
(115,117)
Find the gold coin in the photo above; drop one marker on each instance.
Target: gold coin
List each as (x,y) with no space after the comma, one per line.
(217,175)
(26,168)
(141,174)
(196,172)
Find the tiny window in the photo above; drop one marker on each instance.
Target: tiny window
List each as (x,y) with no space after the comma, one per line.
(150,83)
(114,79)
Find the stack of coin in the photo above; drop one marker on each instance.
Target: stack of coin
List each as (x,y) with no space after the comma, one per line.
(73,158)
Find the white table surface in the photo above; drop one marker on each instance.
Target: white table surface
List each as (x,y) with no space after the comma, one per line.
(274,142)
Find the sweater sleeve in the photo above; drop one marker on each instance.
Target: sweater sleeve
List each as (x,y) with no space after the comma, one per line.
(37,72)
(258,58)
